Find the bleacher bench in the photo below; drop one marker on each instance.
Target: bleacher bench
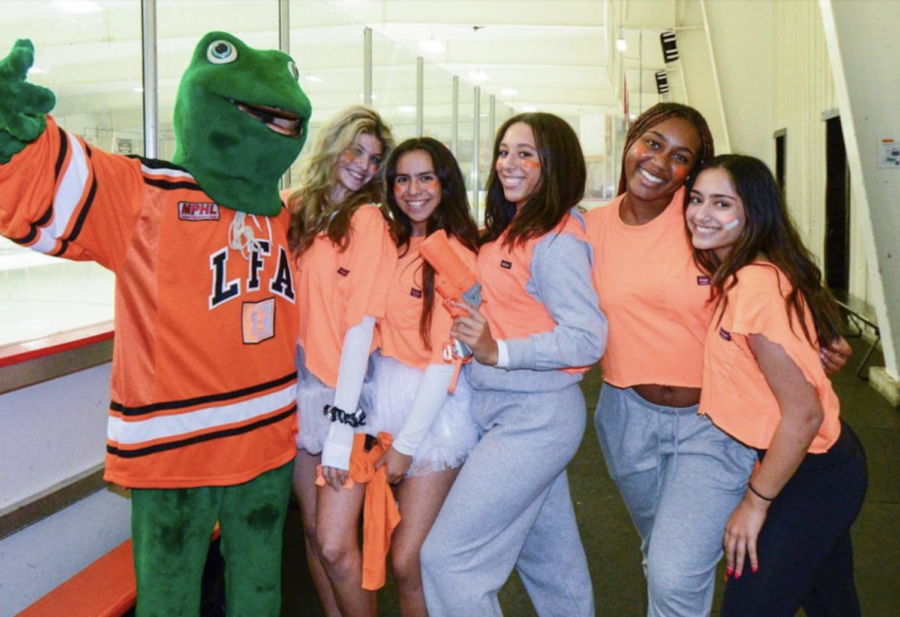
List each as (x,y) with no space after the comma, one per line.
(105,588)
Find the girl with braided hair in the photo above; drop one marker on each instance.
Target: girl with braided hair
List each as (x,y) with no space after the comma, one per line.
(679,475)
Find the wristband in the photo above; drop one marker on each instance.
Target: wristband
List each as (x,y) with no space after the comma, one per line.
(758,494)
(336,414)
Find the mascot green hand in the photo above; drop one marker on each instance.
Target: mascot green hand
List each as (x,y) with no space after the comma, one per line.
(22,105)
(202,418)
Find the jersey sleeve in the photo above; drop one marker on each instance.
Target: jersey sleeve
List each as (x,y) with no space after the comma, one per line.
(61,197)
(369,264)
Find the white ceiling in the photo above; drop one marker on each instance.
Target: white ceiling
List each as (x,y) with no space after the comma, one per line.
(558,55)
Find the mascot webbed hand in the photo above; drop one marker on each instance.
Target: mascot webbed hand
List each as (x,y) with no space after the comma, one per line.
(23,106)
(202,418)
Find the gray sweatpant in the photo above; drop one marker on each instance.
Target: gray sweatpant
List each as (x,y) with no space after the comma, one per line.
(680,477)
(510,507)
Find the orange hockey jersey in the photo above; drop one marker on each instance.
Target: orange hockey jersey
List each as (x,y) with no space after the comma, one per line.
(203,367)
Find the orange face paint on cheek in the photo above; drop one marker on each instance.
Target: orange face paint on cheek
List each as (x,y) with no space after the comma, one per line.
(398,189)
(680,175)
(529,164)
(347,157)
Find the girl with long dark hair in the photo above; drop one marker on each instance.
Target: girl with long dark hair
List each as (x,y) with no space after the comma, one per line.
(510,505)
(406,392)
(787,542)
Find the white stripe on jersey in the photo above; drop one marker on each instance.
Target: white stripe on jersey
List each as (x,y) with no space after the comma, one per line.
(134,432)
(68,196)
(165,171)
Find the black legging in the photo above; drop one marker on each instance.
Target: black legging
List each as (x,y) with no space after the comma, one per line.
(804,549)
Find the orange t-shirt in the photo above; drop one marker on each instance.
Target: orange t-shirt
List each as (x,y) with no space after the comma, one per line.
(653,295)
(509,307)
(735,392)
(335,289)
(399,329)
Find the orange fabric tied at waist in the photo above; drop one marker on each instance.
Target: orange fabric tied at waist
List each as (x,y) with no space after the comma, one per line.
(380,513)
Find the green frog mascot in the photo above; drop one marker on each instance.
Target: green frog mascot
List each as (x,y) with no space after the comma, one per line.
(202,418)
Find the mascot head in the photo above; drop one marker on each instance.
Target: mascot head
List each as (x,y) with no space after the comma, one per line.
(241,119)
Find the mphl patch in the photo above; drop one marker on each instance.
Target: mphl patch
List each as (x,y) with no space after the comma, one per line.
(258,321)
(198,211)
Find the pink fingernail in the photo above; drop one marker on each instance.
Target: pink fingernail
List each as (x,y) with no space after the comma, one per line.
(728,571)
(754,569)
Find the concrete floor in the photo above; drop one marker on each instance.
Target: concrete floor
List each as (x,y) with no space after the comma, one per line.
(612,544)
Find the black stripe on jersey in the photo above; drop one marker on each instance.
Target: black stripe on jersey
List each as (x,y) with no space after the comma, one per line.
(48,213)
(157,163)
(165,183)
(201,400)
(63,150)
(169,185)
(173,445)
(79,222)
(63,246)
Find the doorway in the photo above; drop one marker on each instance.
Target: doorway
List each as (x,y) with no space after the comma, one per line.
(837,208)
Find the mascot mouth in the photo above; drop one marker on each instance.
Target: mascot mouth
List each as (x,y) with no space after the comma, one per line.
(276,119)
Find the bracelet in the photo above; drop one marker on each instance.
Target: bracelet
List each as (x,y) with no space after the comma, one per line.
(336,414)
(758,494)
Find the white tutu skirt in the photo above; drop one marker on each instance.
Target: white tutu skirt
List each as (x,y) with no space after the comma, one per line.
(312,396)
(387,396)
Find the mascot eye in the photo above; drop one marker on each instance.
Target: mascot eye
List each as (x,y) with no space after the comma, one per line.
(293,69)
(221,52)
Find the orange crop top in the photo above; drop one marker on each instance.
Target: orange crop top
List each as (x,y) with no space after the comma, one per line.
(653,295)
(399,329)
(335,289)
(509,307)
(735,392)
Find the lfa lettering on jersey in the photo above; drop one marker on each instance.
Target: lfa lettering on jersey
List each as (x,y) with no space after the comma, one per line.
(235,275)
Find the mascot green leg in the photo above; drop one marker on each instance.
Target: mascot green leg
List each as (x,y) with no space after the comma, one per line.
(171,530)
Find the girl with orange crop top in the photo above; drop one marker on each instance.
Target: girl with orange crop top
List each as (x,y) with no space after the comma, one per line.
(344,259)
(510,505)
(787,542)
(660,453)
(406,393)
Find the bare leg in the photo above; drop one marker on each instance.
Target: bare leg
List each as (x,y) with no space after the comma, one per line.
(420,498)
(304,483)
(337,520)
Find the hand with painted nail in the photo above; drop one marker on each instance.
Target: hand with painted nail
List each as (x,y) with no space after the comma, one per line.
(741,533)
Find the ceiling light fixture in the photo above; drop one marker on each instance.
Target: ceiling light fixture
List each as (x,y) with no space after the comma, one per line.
(79,7)
(509,92)
(479,76)
(621,44)
(314,78)
(432,46)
